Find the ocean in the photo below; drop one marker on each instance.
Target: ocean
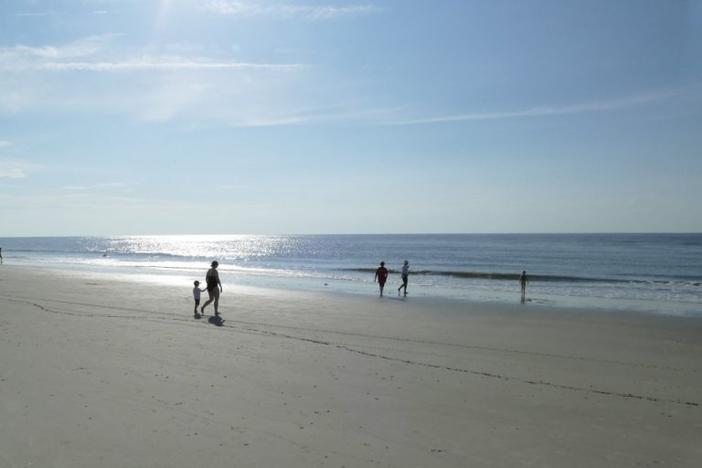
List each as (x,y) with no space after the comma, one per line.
(660,273)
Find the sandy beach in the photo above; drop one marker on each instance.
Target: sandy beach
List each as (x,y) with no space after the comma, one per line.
(104,373)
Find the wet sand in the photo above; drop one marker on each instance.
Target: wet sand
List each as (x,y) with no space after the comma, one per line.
(108,373)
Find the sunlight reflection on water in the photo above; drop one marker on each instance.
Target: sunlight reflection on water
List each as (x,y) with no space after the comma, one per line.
(653,270)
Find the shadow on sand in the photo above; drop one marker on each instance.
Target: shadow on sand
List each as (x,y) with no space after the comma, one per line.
(215,320)
(395,298)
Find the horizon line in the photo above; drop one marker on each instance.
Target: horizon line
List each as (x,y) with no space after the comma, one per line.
(372,234)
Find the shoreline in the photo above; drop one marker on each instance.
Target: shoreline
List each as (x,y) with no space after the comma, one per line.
(562,303)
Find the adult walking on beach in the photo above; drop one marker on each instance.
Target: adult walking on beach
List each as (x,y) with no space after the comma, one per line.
(405,278)
(214,287)
(523,280)
(381,276)
(0,255)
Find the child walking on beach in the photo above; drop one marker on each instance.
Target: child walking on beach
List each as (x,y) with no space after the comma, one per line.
(196,296)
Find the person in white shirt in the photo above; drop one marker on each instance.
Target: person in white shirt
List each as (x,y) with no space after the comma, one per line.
(405,277)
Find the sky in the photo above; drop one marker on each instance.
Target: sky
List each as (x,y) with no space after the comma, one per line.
(354,116)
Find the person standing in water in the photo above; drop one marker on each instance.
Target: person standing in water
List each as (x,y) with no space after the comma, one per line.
(523,280)
(381,276)
(214,287)
(405,278)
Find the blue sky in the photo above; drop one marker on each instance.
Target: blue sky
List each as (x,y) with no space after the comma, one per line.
(321,116)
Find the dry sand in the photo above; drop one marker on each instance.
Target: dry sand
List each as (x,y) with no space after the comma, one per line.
(105,373)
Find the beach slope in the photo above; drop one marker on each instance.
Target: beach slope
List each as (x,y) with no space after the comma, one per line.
(99,372)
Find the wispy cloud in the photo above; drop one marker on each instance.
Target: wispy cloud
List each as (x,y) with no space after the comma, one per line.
(322,115)
(97,187)
(5,143)
(95,56)
(268,121)
(34,14)
(254,8)
(13,169)
(164,64)
(70,201)
(229,187)
(79,48)
(172,82)
(42,14)
(543,111)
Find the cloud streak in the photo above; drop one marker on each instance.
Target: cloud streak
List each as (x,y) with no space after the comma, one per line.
(168,64)
(80,48)
(102,202)
(12,169)
(543,111)
(92,55)
(321,115)
(35,14)
(285,10)
(93,187)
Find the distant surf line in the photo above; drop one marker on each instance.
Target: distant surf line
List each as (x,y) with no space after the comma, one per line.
(515,276)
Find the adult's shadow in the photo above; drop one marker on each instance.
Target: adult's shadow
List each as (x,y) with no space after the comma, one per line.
(398,298)
(216,321)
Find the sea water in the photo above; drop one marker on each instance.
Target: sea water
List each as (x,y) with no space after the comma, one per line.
(645,272)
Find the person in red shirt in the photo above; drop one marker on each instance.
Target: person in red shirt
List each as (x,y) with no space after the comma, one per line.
(381,276)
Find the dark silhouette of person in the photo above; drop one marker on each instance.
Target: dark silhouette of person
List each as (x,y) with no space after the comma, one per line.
(381,276)
(214,287)
(523,281)
(405,277)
